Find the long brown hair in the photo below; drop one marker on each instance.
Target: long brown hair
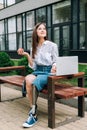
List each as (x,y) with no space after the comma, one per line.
(35,38)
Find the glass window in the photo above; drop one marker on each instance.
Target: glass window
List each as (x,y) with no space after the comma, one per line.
(10,2)
(2,27)
(83,10)
(19,31)
(66,37)
(1,4)
(19,23)
(41,15)
(2,36)
(29,20)
(12,33)
(83,35)
(49,16)
(61,12)
(29,40)
(19,39)
(12,41)
(2,42)
(11,25)
(56,34)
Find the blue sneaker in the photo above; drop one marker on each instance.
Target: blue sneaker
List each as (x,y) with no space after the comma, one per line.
(30,121)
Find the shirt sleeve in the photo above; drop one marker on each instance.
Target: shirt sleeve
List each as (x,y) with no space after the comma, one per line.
(34,64)
(55,54)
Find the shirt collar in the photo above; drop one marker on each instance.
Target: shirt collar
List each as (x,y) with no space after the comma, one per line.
(45,42)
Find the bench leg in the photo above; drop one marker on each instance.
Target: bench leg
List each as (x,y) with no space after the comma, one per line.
(51,104)
(24,89)
(81,99)
(0,92)
(51,113)
(81,106)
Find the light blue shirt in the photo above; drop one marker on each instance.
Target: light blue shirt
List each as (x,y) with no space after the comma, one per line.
(46,54)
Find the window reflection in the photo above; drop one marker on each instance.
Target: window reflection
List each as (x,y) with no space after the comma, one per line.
(11,25)
(10,2)
(19,31)
(29,40)
(2,27)
(29,27)
(83,24)
(30,20)
(12,41)
(61,12)
(12,33)
(83,37)
(2,36)
(1,4)
(83,10)
(41,15)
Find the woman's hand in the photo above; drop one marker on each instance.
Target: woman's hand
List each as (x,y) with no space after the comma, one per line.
(20,51)
(53,69)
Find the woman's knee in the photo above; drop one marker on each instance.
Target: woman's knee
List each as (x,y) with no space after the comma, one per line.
(29,79)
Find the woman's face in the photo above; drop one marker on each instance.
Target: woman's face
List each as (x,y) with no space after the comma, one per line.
(41,31)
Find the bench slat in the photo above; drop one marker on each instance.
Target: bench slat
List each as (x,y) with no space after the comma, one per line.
(68,94)
(4,69)
(14,79)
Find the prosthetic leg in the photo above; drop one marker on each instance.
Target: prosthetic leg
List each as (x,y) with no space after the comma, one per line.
(35,92)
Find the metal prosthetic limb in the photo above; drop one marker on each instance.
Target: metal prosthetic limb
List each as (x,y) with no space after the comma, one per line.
(34,102)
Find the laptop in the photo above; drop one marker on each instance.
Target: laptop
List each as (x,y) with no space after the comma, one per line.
(67,65)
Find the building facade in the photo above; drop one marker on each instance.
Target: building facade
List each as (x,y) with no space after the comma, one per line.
(66,22)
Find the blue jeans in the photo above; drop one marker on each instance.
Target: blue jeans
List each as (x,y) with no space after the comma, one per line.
(42,73)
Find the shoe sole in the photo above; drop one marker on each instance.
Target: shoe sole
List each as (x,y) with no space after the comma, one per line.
(25,125)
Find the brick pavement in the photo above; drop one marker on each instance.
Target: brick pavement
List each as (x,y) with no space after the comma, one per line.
(14,112)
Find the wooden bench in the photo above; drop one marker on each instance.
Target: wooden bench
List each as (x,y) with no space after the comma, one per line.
(54,90)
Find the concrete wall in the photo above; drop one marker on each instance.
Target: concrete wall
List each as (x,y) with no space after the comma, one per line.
(23,7)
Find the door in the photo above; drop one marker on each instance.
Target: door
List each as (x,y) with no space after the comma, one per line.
(61,36)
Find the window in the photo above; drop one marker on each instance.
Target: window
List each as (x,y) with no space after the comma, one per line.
(12,41)
(83,10)
(83,24)
(61,12)
(12,33)
(49,16)
(11,25)
(29,20)
(29,27)
(2,36)
(2,27)
(10,2)
(83,35)
(29,40)
(1,4)
(19,31)
(41,15)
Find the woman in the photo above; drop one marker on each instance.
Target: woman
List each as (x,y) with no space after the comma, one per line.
(43,61)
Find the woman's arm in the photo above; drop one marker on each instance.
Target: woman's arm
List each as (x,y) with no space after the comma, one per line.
(55,54)
(21,51)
